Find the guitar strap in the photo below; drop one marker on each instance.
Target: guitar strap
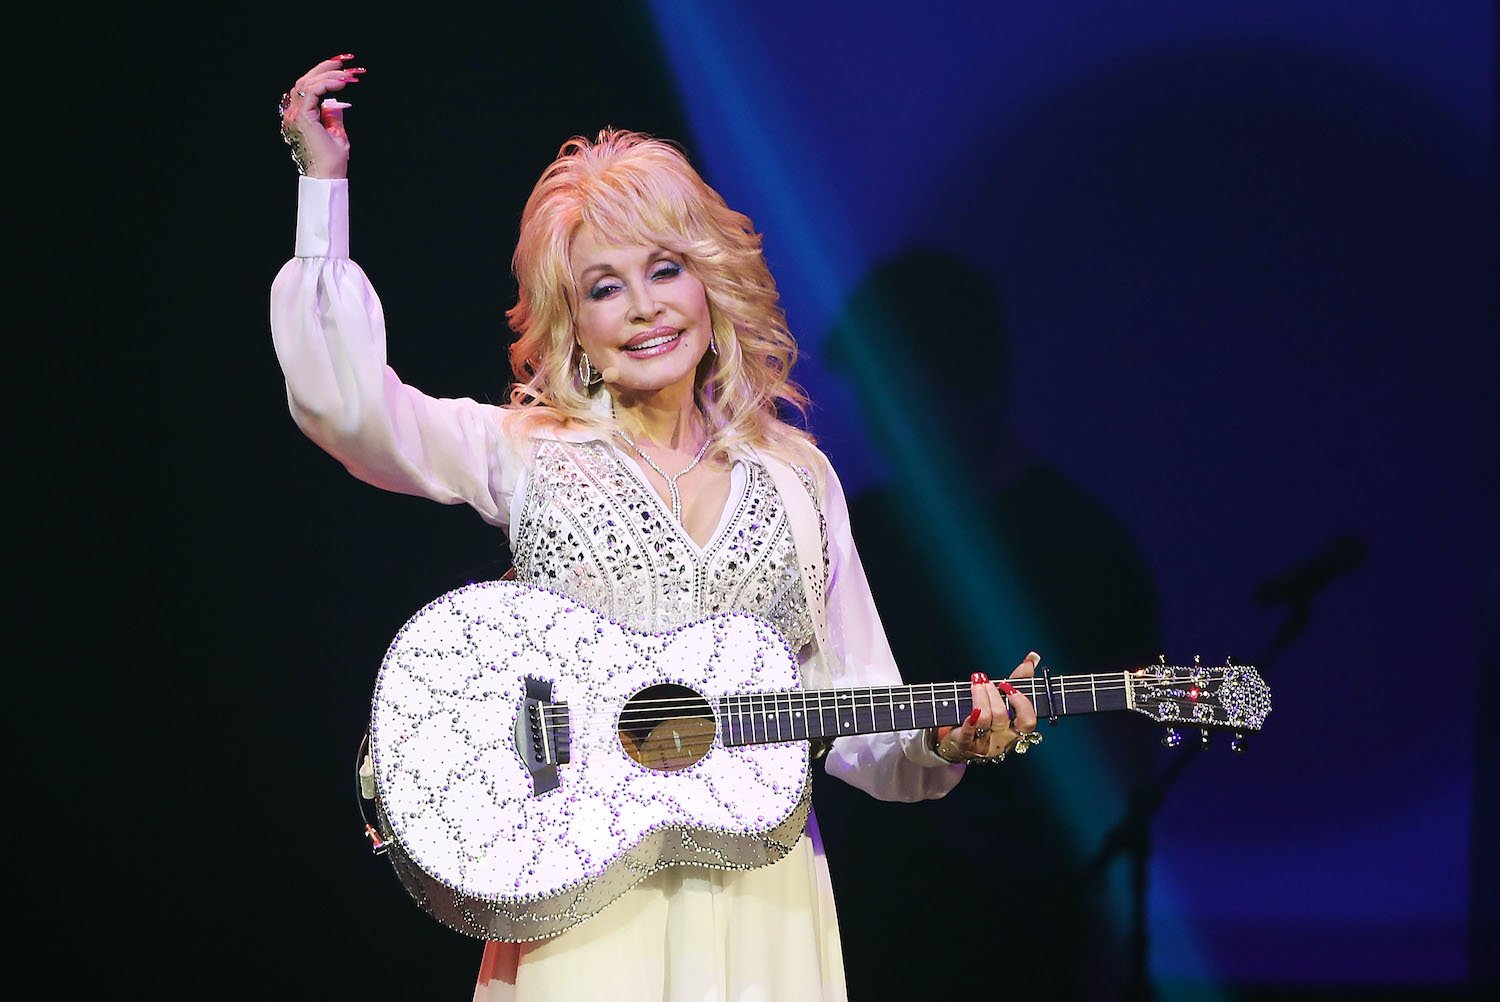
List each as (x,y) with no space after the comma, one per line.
(807,537)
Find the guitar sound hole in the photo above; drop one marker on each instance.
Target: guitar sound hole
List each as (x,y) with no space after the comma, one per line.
(667,727)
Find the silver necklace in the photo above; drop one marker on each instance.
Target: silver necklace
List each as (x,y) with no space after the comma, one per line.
(671,479)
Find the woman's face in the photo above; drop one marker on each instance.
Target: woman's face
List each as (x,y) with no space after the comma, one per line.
(641,312)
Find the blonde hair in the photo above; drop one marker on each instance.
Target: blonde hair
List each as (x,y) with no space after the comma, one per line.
(631,189)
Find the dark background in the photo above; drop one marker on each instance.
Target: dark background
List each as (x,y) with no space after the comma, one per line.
(1172,321)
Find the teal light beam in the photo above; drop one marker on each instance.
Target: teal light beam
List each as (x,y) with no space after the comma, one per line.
(710,74)
(984,588)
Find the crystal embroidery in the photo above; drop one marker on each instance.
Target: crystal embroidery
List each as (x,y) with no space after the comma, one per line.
(591,530)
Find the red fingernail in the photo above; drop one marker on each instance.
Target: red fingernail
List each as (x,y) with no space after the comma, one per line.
(346,55)
(1008,689)
(979,678)
(973,717)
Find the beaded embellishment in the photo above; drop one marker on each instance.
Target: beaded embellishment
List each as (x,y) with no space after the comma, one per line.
(590,529)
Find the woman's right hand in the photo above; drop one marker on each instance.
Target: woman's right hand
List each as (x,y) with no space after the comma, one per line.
(314,130)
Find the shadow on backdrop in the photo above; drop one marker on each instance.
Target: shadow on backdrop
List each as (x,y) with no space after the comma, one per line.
(1285,250)
(935,324)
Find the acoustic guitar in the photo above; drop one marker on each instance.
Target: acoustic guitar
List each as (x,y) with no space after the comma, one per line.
(532,760)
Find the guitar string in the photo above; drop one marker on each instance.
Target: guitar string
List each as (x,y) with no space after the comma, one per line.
(1113,679)
(760,705)
(756,709)
(1118,678)
(757,719)
(747,718)
(750,720)
(1069,683)
(917,693)
(1062,686)
(1072,685)
(862,697)
(758,725)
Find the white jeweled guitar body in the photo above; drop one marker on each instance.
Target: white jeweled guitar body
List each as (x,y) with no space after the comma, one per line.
(533,760)
(500,847)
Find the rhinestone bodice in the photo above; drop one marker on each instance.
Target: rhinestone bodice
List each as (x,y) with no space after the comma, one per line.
(590,528)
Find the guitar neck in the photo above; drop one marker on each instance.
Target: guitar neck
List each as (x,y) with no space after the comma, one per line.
(765,717)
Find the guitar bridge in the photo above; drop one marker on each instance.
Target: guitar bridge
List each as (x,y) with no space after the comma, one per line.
(541,734)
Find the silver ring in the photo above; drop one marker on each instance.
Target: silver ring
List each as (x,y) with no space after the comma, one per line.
(980,732)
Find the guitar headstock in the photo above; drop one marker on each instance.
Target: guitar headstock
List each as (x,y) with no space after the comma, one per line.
(1228,698)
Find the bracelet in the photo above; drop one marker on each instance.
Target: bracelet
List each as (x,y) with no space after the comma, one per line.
(299,156)
(935,746)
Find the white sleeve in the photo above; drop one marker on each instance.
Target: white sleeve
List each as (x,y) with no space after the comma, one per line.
(894,766)
(329,334)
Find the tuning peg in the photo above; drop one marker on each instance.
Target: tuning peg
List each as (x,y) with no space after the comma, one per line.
(1203,737)
(1228,661)
(1239,744)
(1171,739)
(1163,659)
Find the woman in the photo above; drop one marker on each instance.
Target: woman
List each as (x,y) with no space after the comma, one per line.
(650,361)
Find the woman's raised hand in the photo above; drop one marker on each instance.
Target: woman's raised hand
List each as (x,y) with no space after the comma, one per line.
(313,127)
(1002,720)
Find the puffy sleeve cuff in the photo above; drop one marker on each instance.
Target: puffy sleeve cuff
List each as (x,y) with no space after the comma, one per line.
(895,766)
(322,217)
(329,333)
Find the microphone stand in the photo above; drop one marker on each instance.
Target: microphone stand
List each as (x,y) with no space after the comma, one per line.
(1131,835)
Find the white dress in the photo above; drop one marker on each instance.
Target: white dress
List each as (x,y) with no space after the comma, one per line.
(583,520)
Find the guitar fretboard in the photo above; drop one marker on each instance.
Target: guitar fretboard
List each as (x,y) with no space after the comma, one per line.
(765,717)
